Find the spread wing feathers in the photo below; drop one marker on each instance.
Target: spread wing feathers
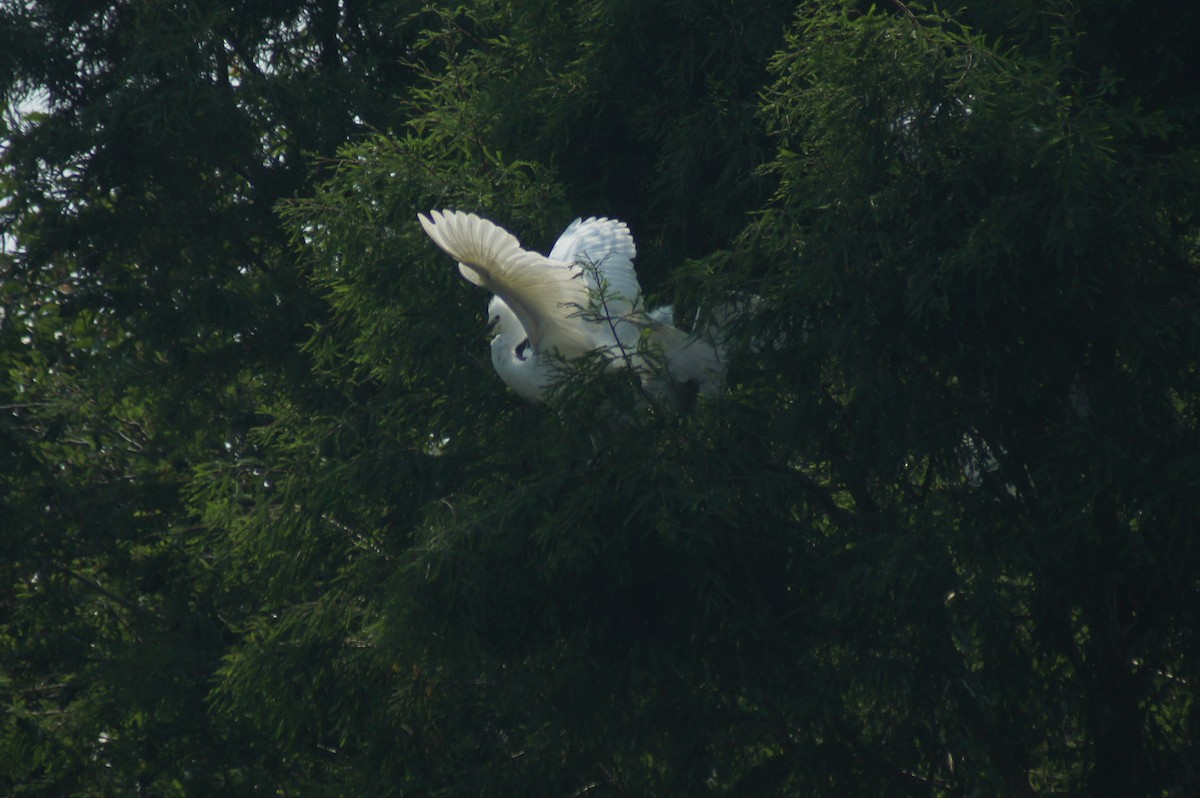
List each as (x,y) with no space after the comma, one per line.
(607,245)
(545,295)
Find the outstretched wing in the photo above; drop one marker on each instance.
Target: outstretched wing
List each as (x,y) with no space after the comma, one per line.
(604,249)
(544,294)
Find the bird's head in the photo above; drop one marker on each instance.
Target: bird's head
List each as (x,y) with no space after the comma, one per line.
(503,325)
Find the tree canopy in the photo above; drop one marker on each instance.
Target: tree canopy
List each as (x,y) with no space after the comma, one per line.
(272,525)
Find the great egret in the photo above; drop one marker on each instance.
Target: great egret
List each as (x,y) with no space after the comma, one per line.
(584,297)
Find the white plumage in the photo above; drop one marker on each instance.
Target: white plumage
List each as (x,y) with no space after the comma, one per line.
(584,297)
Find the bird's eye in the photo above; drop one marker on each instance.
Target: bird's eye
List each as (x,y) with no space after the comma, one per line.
(522,350)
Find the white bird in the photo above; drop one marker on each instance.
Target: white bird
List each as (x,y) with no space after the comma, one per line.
(584,297)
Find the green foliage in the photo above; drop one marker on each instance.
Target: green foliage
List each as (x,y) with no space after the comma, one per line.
(273,525)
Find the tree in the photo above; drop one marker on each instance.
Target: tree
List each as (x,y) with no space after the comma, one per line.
(151,308)
(279,527)
(1003,244)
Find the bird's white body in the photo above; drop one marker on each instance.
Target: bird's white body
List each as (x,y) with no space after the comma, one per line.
(584,297)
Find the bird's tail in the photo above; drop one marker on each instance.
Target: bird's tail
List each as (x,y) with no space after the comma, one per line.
(719,323)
